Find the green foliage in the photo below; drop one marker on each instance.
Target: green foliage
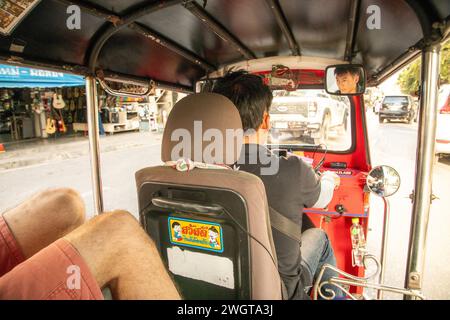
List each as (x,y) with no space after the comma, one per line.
(409,79)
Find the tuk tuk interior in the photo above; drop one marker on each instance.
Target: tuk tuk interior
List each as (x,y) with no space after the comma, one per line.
(175,44)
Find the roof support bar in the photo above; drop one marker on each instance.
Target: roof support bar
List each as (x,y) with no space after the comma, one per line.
(93,10)
(172,46)
(352,30)
(124,22)
(114,76)
(218,29)
(147,32)
(19,60)
(396,65)
(94,148)
(284,26)
(423,193)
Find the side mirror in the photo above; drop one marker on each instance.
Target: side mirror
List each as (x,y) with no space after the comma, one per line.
(345,79)
(384,181)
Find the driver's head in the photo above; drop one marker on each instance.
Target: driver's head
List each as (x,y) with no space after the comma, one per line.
(347,79)
(250,95)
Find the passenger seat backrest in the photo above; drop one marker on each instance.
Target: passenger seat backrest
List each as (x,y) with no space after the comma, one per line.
(211,226)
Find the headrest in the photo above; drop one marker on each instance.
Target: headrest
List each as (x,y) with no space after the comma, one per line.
(203,127)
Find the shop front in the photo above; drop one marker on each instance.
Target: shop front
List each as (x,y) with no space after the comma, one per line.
(46,104)
(38,103)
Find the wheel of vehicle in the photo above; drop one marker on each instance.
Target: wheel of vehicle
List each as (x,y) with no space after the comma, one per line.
(380,119)
(409,120)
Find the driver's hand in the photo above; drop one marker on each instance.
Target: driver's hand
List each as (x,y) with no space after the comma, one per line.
(337,179)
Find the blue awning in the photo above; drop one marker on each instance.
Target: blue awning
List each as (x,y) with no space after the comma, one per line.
(18,77)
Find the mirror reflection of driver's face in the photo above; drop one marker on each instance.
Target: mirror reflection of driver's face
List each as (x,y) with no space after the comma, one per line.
(347,82)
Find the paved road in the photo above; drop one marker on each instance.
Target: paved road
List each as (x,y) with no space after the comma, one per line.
(118,168)
(392,144)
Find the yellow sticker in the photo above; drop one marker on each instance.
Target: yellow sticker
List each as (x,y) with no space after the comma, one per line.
(197,234)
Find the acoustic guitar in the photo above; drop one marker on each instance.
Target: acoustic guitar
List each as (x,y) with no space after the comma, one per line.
(72,105)
(61,125)
(69,93)
(50,128)
(58,102)
(76,92)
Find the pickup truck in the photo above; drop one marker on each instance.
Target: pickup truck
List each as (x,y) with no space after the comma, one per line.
(308,115)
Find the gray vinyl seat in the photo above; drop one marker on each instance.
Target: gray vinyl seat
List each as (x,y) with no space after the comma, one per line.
(211,226)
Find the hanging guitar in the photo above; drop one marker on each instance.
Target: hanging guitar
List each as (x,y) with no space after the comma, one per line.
(72,108)
(58,102)
(72,105)
(76,92)
(69,93)
(60,122)
(81,110)
(50,128)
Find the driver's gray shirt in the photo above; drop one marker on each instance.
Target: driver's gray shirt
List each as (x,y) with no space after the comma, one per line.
(292,188)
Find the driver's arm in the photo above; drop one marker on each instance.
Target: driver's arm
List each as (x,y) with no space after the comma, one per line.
(316,192)
(329,181)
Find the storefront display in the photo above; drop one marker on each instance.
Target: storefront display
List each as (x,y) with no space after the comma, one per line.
(43,104)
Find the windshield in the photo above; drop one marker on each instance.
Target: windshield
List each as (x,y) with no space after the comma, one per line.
(396,100)
(310,117)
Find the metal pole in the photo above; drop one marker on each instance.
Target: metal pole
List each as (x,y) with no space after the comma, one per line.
(93,129)
(384,244)
(424,167)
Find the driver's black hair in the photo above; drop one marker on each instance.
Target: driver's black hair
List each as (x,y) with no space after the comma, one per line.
(249,93)
(344,69)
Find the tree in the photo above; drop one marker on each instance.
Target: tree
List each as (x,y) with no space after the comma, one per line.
(409,78)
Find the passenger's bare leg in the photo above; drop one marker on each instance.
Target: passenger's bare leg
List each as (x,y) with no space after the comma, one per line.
(121,255)
(44,218)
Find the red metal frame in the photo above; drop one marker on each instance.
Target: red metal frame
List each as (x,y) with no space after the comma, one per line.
(351,193)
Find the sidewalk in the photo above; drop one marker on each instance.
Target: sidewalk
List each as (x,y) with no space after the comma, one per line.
(37,151)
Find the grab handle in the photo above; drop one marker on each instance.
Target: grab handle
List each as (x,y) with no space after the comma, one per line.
(119,93)
(185,206)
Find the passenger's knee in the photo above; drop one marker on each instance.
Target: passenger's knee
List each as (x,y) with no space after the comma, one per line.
(121,218)
(318,234)
(125,225)
(118,221)
(66,205)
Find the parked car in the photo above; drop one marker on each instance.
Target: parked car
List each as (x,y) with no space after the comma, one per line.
(308,114)
(443,122)
(398,107)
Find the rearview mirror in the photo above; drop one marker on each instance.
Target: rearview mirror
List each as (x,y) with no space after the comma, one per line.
(345,79)
(384,181)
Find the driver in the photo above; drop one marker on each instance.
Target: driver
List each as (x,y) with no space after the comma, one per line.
(347,79)
(290,189)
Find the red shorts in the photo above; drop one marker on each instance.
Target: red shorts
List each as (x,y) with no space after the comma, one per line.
(57,272)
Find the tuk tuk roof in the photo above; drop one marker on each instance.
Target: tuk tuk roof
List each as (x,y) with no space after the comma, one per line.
(177,42)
